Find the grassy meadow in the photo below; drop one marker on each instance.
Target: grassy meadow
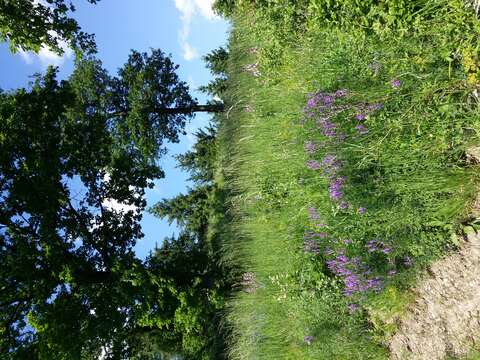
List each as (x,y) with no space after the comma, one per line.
(342,164)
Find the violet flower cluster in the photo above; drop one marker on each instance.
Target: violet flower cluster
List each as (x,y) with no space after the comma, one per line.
(378,246)
(311,147)
(335,188)
(311,242)
(252,69)
(356,275)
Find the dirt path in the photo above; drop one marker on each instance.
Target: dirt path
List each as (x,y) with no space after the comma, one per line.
(445,318)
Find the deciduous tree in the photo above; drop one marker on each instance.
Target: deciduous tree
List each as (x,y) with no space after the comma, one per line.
(33,24)
(75,159)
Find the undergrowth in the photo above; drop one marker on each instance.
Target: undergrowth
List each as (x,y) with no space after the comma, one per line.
(344,174)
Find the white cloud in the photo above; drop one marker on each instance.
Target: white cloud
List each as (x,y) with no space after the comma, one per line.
(189,9)
(205,7)
(46,56)
(113,204)
(189,52)
(26,56)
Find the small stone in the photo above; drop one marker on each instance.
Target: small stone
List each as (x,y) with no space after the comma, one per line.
(473,155)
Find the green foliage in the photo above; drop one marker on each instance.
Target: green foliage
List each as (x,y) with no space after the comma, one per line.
(224,7)
(31,25)
(200,161)
(189,262)
(216,62)
(71,284)
(47,230)
(147,85)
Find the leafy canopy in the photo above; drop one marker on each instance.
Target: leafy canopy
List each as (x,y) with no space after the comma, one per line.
(33,24)
(72,153)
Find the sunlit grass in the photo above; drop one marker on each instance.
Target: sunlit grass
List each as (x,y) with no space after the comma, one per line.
(408,172)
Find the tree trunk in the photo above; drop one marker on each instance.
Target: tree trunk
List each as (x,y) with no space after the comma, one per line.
(181,110)
(192,109)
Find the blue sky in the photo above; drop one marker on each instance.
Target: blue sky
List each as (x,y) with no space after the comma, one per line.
(187,29)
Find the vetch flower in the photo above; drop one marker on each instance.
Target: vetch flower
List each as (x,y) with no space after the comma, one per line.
(395,83)
(361,129)
(335,188)
(341,93)
(344,205)
(311,246)
(313,214)
(310,147)
(327,128)
(352,308)
(392,273)
(373,107)
(313,164)
(308,339)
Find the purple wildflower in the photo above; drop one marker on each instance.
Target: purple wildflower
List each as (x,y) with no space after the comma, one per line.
(311,246)
(360,117)
(372,245)
(308,339)
(352,308)
(395,83)
(373,107)
(335,188)
(341,93)
(311,103)
(386,250)
(328,100)
(375,245)
(313,164)
(310,147)
(355,275)
(327,127)
(328,160)
(361,129)
(313,214)
(344,205)
(362,210)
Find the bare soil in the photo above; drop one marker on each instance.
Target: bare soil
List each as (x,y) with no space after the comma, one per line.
(444,320)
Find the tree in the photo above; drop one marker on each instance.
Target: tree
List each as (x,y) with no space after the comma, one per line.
(216,61)
(68,269)
(224,7)
(191,261)
(71,286)
(33,24)
(200,161)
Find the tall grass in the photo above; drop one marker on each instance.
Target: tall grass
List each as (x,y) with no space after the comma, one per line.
(406,185)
